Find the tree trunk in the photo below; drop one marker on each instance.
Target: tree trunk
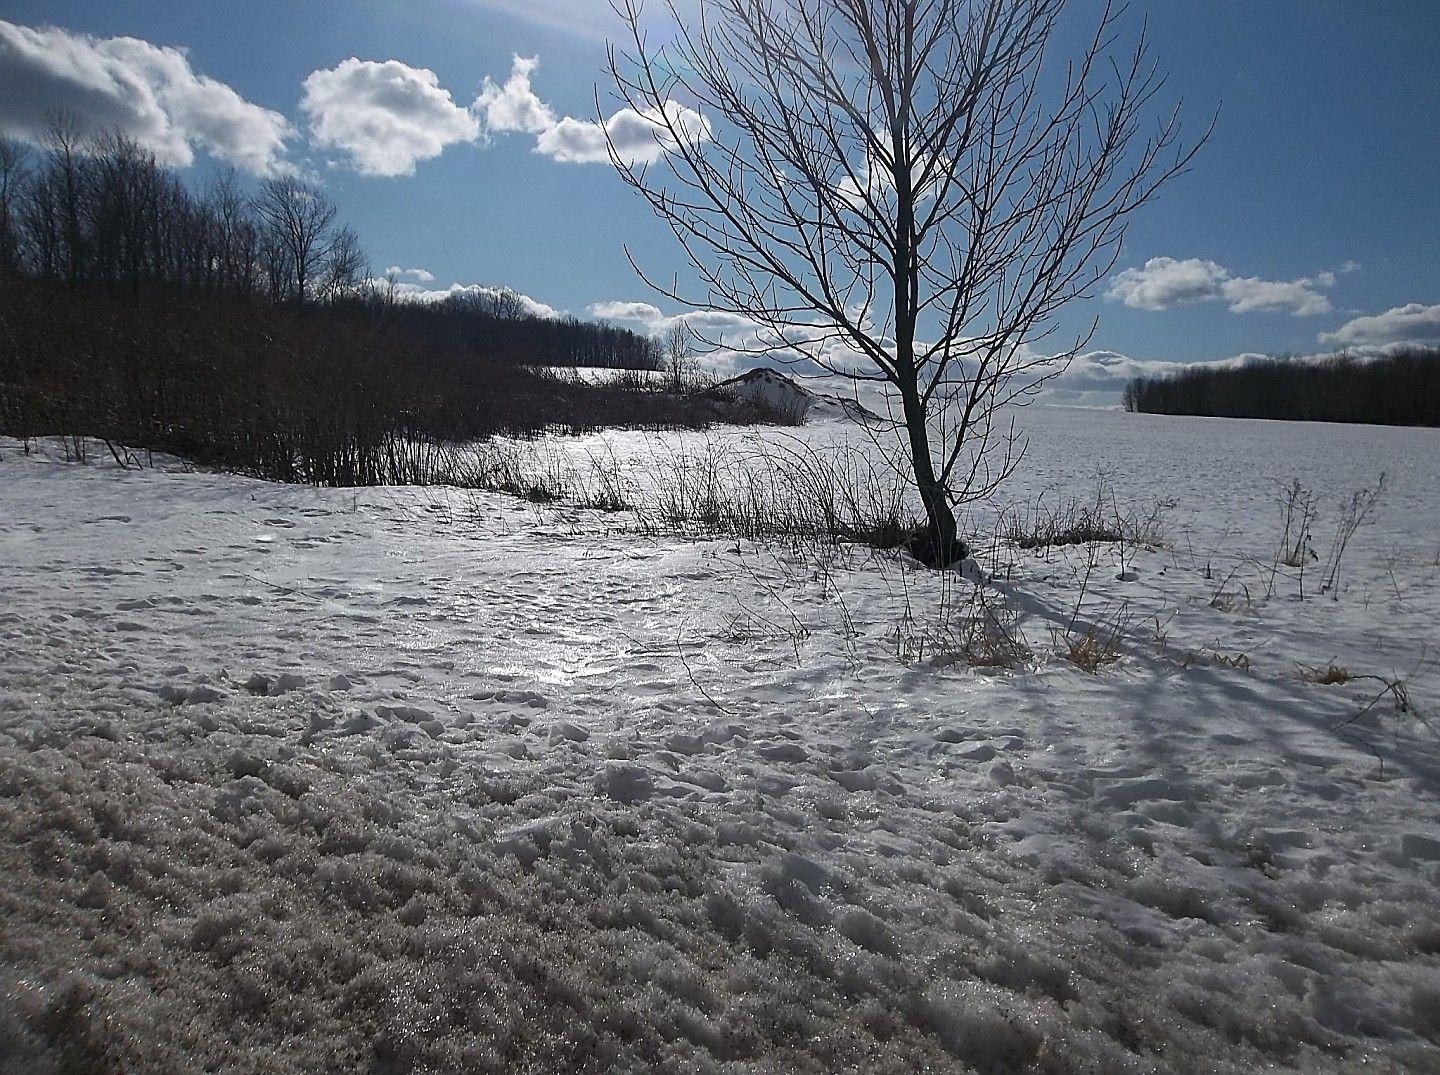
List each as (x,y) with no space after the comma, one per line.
(940,545)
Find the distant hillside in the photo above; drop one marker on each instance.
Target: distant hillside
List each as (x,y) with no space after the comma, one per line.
(1401,389)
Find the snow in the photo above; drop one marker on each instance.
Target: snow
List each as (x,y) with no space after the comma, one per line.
(404,779)
(786,395)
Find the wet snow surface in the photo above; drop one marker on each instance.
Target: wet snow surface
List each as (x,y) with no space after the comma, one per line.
(426,780)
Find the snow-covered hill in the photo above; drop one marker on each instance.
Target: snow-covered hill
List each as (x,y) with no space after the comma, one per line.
(299,780)
(781,393)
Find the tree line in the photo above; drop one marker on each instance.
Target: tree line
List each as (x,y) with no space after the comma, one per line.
(243,330)
(100,213)
(1402,388)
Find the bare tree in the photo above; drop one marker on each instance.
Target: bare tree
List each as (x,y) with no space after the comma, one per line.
(299,236)
(903,191)
(234,238)
(60,206)
(14,169)
(678,346)
(346,267)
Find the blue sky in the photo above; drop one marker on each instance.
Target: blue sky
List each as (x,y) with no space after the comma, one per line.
(1311,220)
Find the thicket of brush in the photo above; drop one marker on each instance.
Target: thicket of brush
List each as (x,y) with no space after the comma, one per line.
(302,393)
(244,331)
(1398,389)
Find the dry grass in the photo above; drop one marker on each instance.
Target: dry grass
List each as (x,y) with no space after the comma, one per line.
(1327,676)
(976,630)
(1093,649)
(1054,523)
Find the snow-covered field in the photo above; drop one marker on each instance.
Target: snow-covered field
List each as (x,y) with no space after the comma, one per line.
(390,780)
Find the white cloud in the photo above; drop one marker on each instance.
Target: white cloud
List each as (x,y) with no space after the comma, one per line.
(732,343)
(638,137)
(415,293)
(642,313)
(386,117)
(1412,323)
(423,276)
(514,106)
(1298,297)
(713,325)
(533,307)
(146,92)
(1164,283)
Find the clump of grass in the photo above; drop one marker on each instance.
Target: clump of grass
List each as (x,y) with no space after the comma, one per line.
(993,640)
(977,630)
(1054,523)
(1327,676)
(1093,648)
(784,490)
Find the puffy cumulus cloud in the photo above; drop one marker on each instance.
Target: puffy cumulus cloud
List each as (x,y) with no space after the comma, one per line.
(385,117)
(645,317)
(423,276)
(533,307)
(514,106)
(641,313)
(638,137)
(147,92)
(1298,297)
(1163,283)
(712,326)
(408,292)
(1412,323)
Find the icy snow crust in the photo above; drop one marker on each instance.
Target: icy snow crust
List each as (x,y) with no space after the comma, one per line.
(299,780)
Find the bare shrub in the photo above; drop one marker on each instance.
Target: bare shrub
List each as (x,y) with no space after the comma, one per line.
(1355,512)
(1297,511)
(992,639)
(1054,522)
(973,627)
(1295,550)
(784,489)
(606,489)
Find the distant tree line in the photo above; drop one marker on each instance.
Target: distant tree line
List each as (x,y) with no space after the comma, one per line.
(244,330)
(1402,388)
(497,326)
